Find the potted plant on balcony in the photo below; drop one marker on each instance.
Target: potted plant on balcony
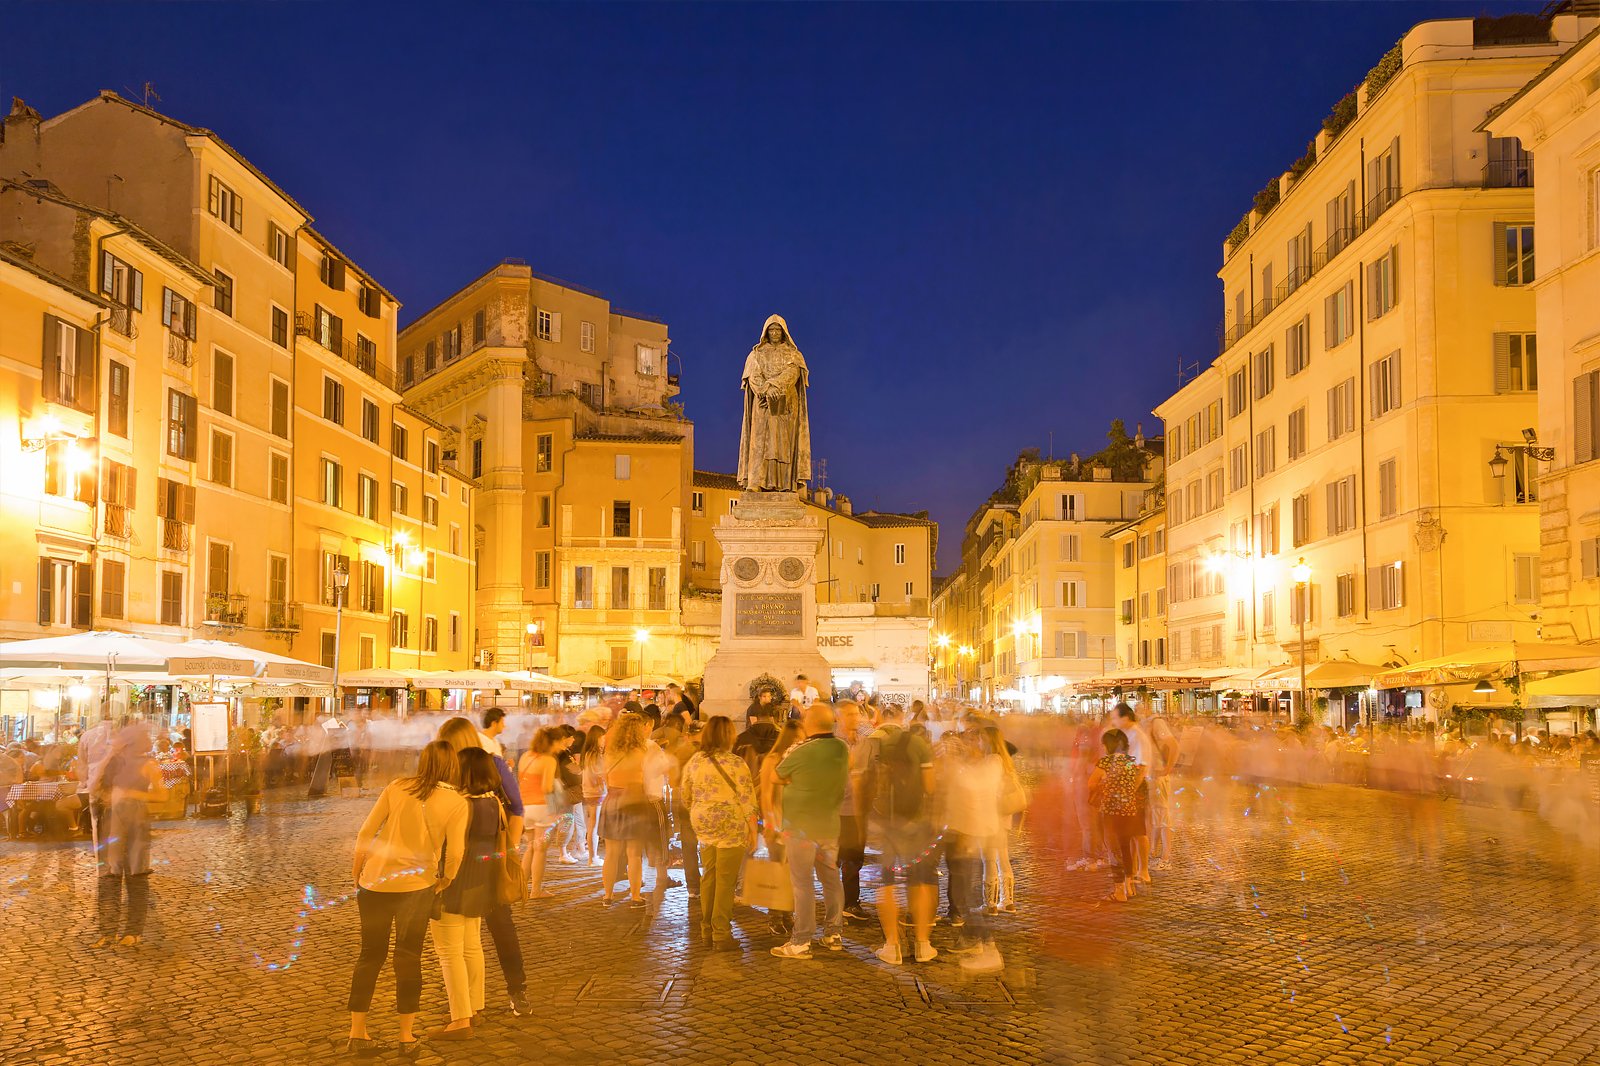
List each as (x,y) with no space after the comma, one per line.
(216,606)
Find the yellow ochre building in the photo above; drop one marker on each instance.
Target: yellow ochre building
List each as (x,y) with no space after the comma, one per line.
(231,420)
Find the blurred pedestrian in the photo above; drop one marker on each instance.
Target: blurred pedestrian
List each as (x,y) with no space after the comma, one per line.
(972,819)
(769,791)
(591,765)
(999,881)
(536,778)
(407,851)
(628,821)
(852,822)
(128,781)
(897,783)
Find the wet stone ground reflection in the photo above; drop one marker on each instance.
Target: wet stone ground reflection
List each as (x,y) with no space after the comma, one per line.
(1297,925)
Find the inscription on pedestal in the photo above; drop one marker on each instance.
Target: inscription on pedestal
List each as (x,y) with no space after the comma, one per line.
(768,614)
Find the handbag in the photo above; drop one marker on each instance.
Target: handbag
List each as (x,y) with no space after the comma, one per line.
(1013,795)
(767,885)
(509,887)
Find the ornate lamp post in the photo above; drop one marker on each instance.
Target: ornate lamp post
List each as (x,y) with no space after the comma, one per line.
(341,583)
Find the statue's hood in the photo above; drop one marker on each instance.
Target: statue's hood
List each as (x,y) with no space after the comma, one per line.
(778,319)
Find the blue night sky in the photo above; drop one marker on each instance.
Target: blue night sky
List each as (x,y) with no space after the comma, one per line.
(985,224)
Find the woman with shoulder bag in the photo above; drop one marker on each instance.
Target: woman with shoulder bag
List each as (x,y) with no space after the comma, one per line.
(721,800)
(407,851)
(457,927)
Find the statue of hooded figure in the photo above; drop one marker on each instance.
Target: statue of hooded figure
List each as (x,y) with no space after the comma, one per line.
(775,440)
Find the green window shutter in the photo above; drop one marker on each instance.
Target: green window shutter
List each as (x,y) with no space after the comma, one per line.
(49,360)
(1501,261)
(47,574)
(1502,362)
(1583,415)
(86,400)
(83,595)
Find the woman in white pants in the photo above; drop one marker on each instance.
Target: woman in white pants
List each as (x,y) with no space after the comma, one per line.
(999,882)
(457,928)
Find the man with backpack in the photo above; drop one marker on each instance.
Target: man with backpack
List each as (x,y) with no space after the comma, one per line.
(894,791)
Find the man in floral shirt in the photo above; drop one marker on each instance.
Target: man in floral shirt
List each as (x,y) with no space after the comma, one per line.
(717,788)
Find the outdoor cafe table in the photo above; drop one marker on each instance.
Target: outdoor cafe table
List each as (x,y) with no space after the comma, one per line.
(42,797)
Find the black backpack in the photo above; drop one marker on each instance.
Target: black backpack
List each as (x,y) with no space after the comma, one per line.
(904,778)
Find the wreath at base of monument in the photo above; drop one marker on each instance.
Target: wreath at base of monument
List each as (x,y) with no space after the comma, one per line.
(768,683)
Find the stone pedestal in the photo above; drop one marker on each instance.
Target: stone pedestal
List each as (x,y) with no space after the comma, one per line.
(769,601)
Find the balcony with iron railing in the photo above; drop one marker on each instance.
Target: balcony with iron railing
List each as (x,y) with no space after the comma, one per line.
(363,360)
(123,321)
(608,668)
(117,520)
(180,349)
(1509,173)
(1230,334)
(227,608)
(174,535)
(283,617)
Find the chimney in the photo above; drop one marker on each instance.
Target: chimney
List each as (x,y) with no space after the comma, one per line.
(1102,473)
(844,505)
(1138,435)
(21,133)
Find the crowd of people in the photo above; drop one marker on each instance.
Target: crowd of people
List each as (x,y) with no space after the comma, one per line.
(777,814)
(772,815)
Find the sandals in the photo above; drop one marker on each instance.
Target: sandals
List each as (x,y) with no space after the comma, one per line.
(361,1047)
(130,941)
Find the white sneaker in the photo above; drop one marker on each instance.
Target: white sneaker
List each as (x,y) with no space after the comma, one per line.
(889,953)
(925,952)
(987,960)
(792,951)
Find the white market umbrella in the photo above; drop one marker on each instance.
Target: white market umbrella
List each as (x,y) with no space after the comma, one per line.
(379,678)
(98,650)
(263,664)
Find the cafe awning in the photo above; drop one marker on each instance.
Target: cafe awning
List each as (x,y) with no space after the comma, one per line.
(1335,673)
(1493,662)
(1580,685)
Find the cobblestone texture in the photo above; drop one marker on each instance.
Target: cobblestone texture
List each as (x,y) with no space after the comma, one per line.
(1298,926)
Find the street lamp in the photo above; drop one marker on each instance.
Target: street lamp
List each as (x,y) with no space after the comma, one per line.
(1302,580)
(341,582)
(640,636)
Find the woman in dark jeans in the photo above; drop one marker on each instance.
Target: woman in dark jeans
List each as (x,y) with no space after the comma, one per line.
(409,848)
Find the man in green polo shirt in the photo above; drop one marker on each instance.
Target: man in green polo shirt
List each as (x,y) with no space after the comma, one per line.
(814,774)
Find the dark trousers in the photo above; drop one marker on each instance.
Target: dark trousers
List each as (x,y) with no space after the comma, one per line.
(690,845)
(1121,831)
(852,855)
(110,903)
(964,856)
(406,913)
(507,948)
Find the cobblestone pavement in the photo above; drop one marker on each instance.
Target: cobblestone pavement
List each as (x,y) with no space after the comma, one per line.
(1327,925)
